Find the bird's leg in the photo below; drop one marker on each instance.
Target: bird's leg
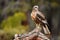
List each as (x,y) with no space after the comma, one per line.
(38,26)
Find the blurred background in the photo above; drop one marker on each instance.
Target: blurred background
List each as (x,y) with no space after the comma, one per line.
(15,17)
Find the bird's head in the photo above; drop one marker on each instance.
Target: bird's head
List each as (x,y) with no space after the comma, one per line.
(35,8)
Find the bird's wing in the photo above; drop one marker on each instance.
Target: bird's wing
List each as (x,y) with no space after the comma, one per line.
(41,15)
(41,19)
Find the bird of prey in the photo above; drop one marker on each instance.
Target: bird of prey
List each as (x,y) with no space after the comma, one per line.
(40,22)
(39,19)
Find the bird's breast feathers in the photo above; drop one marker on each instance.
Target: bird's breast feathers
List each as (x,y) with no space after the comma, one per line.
(33,15)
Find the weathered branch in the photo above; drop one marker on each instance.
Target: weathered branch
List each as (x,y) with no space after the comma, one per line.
(31,35)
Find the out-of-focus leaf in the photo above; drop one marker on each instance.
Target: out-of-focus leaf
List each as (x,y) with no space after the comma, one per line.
(13,23)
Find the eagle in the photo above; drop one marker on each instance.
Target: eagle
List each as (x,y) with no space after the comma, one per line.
(39,19)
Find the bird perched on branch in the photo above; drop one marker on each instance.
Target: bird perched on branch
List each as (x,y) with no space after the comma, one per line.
(40,22)
(39,19)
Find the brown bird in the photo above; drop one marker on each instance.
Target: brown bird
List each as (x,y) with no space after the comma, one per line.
(39,19)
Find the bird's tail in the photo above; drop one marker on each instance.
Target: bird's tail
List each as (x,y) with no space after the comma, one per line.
(46,30)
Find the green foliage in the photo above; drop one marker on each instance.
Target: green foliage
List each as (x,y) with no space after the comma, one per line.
(13,23)
(14,20)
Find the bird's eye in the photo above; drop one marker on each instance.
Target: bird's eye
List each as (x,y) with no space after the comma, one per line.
(35,7)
